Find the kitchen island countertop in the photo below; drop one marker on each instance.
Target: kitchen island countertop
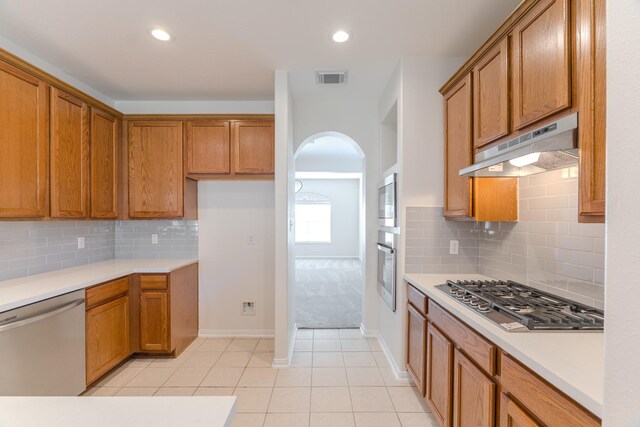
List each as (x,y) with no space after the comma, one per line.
(191,411)
(571,361)
(28,290)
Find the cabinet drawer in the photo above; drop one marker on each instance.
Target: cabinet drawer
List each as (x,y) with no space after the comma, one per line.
(106,291)
(148,283)
(542,400)
(417,299)
(477,348)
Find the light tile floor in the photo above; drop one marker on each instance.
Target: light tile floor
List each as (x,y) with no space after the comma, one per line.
(337,379)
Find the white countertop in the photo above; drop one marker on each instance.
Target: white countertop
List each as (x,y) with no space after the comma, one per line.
(27,290)
(571,361)
(190,411)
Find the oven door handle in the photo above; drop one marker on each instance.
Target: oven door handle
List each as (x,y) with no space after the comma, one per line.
(385,248)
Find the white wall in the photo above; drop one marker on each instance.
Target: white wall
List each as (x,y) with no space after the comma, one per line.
(344,195)
(195,107)
(284,214)
(414,85)
(231,270)
(356,116)
(622,329)
(327,163)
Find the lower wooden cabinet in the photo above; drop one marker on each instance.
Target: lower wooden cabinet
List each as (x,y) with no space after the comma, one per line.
(439,375)
(416,346)
(469,382)
(141,313)
(512,415)
(107,326)
(154,321)
(473,394)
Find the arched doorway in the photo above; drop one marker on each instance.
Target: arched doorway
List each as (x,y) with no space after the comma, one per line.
(329,232)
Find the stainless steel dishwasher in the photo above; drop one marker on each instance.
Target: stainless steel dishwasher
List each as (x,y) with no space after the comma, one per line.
(42,348)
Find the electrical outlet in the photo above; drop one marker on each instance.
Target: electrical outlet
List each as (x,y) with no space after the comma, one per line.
(251,239)
(80,242)
(249,308)
(154,239)
(453,247)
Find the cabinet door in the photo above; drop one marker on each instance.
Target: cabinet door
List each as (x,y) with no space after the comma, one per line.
(491,96)
(156,179)
(457,128)
(104,164)
(473,394)
(253,147)
(511,415)
(439,375)
(23,165)
(541,80)
(416,346)
(208,144)
(154,321)
(69,156)
(107,327)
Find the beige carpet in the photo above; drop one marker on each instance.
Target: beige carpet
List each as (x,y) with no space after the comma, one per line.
(328,292)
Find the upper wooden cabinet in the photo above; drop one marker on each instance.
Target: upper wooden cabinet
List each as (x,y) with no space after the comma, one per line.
(491,96)
(208,147)
(541,59)
(104,164)
(253,147)
(547,60)
(156,180)
(229,149)
(482,199)
(24,144)
(69,156)
(458,143)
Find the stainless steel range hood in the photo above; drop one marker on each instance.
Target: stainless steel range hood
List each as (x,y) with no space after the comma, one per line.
(550,147)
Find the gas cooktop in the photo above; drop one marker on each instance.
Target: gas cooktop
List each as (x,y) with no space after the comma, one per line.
(516,307)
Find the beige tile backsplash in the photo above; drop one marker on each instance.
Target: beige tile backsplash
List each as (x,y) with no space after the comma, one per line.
(547,248)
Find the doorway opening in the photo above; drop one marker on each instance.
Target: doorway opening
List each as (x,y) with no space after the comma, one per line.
(329,232)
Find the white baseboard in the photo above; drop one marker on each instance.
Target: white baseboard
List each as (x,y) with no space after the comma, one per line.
(400,374)
(244,333)
(285,363)
(328,257)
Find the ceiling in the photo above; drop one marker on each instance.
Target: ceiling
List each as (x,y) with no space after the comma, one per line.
(229,49)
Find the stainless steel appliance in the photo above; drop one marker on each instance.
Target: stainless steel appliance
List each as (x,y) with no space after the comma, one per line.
(387,254)
(549,147)
(516,307)
(43,348)
(387,202)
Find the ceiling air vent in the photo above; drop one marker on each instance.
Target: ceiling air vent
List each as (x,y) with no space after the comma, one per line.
(331,77)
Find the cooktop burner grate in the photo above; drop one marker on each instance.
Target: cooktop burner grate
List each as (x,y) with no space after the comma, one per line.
(519,307)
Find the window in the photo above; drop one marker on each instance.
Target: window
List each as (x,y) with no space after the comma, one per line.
(313,222)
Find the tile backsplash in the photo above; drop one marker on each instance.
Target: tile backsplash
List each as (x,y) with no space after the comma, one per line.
(427,243)
(33,247)
(547,248)
(176,239)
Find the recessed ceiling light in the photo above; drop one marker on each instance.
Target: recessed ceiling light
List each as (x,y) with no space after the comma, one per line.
(340,36)
(160,34)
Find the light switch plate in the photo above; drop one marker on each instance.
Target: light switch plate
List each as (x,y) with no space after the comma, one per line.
(249,308)
(251,239)
(80,242)
(154,239)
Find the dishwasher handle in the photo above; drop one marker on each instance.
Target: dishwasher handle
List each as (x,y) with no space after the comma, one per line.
(18,322)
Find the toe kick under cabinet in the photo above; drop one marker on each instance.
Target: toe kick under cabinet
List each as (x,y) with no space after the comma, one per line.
(470,382)
(140,313)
